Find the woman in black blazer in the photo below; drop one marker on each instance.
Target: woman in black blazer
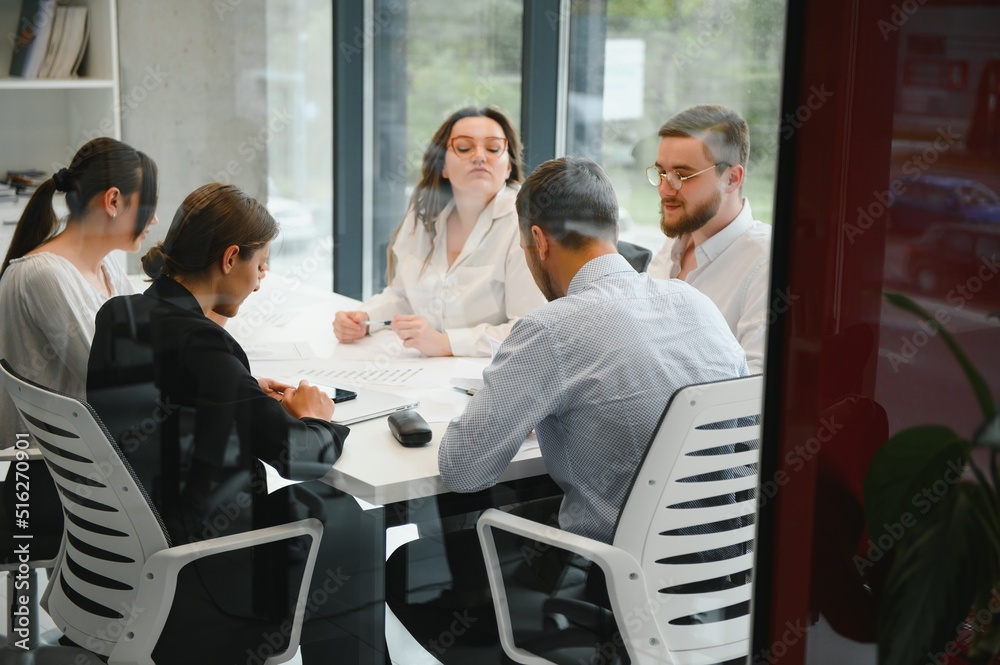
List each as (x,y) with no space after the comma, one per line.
(175,391)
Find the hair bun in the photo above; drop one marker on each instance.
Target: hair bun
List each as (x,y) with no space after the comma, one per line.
(63,180)
(154,263)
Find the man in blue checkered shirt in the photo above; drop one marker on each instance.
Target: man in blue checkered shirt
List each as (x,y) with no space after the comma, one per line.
(592,370)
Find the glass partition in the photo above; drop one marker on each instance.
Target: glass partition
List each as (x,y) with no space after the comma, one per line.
(887,232)
(237,92)
(300,155)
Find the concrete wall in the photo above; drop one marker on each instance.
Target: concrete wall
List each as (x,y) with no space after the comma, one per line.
(194,94)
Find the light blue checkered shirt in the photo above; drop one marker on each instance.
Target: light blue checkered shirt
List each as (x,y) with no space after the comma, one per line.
(591,373)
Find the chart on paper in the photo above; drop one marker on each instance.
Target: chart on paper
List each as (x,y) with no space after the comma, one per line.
(346,373)
(389,376)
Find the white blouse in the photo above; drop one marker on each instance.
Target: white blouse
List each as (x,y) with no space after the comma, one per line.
(47,309)
(479,296)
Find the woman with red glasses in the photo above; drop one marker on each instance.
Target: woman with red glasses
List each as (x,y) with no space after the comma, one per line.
(457,275)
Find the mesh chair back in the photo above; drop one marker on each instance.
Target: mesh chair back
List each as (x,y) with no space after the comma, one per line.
(111,526)
(689,521)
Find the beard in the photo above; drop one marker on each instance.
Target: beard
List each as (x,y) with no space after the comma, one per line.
(545,286)
(542,279)
(693,220)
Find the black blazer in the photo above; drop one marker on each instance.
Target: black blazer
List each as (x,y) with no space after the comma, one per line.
(175,391)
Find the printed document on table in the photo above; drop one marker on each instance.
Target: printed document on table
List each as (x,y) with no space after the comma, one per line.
(356,374)
(279,351)
(344,372)
(468,375)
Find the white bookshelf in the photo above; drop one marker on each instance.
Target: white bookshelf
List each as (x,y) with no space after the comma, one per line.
(45,121)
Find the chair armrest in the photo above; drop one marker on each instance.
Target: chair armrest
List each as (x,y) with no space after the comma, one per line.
(576,612)
(626,586)
(158,583)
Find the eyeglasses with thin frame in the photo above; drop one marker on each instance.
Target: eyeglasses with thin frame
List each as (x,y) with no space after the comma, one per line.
(654,175)
(465,146)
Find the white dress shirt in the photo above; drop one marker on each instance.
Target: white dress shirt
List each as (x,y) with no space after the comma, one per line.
(479,296)
(48,310)
(733,269)
(591,372)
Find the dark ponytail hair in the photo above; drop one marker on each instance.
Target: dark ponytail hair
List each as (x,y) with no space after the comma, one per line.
(211,218)
(98,166)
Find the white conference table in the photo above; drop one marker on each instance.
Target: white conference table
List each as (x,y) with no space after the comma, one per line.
(394,484)
(374,467)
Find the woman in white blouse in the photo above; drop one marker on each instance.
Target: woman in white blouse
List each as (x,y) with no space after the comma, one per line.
(53,282)
(457,274)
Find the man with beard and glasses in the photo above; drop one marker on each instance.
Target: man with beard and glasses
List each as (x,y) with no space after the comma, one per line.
(713,242)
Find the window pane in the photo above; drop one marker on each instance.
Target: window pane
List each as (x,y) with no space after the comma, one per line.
(645,60)
(300,152)
(432,58)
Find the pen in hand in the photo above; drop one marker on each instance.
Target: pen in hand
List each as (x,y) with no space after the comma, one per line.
(376,323)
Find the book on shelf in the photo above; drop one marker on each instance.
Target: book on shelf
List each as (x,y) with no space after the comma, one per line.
(58,25)
(71,43)
(53,45)
(31,37)
(82,51)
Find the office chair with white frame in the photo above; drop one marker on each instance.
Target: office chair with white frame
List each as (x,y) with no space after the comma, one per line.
(679,567)
(116,552)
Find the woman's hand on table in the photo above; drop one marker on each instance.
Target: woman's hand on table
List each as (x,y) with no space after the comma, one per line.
(350,326)
(307,401)
(418,334)
(272,388)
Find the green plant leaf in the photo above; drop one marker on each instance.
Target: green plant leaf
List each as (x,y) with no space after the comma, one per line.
(979,386)
(935,578)
(986,633)
(906,466)
(989,530)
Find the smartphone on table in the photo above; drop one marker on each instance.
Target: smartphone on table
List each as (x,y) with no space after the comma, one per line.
(338,395)
(343,395)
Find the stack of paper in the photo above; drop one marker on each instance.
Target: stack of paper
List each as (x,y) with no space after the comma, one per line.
(26,180)
(7,194)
